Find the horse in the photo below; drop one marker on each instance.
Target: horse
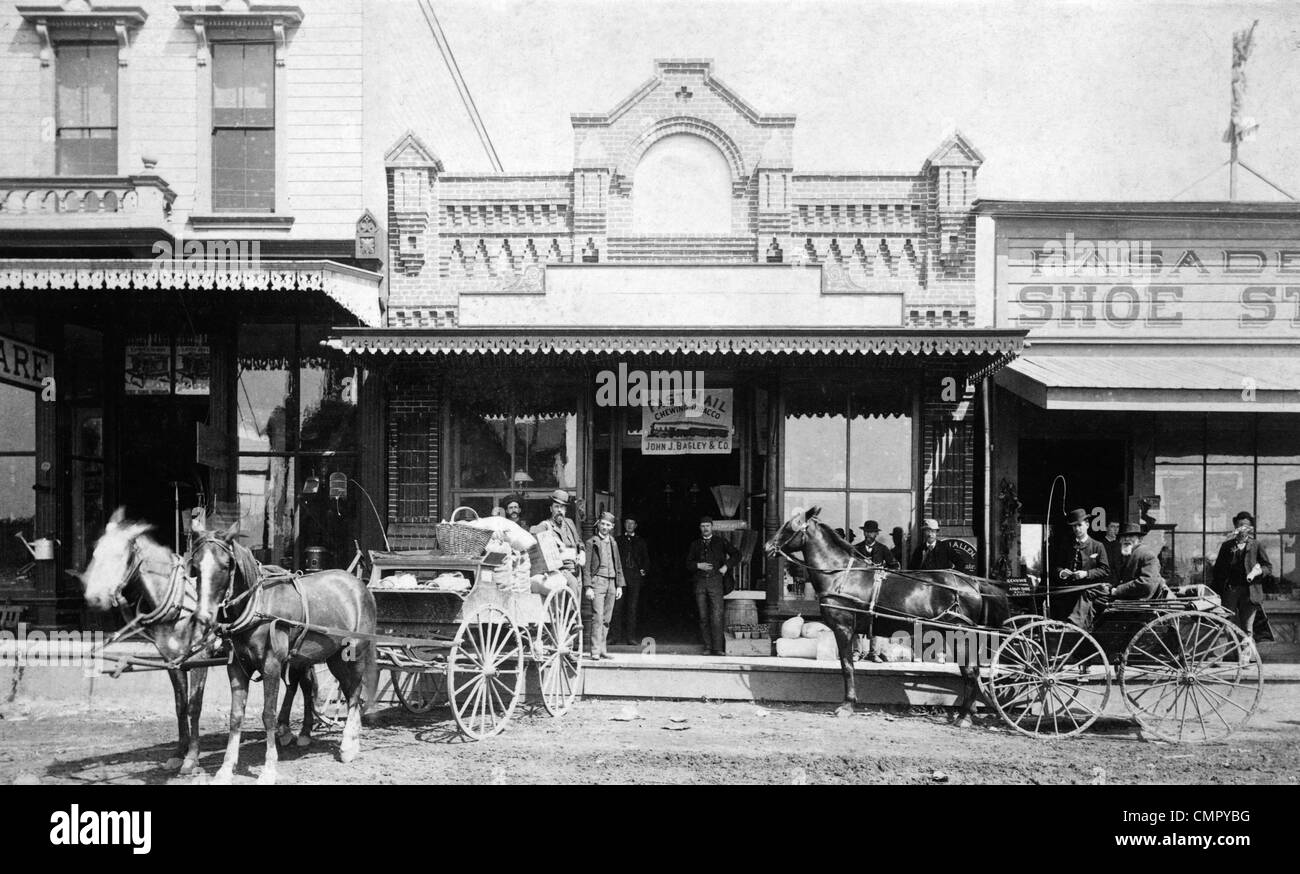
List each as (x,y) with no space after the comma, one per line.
(274,626)
(128,566)
(857,596)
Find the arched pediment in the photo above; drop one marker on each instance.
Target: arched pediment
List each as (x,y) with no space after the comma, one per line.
(681,124)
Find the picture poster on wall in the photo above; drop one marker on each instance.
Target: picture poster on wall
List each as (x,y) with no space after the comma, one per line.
(155,365)
(148,365)
(193,365)
(696,423)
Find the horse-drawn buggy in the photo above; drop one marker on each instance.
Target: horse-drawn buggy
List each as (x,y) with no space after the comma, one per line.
(1184,669)
(462,624)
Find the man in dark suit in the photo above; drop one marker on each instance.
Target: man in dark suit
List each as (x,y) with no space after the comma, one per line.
(707,561)
(1137,573)
(872,549)
(636,568)
(1111,540)
(932,555)
(1239,571)
(1081,562)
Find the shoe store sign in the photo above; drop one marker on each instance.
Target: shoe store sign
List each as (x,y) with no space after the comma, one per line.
(1154,283)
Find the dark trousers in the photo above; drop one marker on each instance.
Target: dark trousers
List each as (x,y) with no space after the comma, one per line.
(708,601)
(623,626)
(1078,609)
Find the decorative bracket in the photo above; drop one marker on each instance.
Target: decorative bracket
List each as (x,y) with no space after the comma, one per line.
(48,18)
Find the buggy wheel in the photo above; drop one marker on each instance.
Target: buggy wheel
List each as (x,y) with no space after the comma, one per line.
(1049,679)
(1191,677)
(559,653)
(418,691)
(485,672)
(330,705)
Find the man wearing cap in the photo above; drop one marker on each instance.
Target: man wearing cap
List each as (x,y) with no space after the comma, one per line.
(1137,573)
(707,561)
(636,568)
(932,555)
(1238,575)
(1081,562)
(872,549)
(602,582)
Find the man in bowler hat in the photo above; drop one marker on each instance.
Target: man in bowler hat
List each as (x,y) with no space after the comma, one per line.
(872,549)
(1081,562)
(1239,571)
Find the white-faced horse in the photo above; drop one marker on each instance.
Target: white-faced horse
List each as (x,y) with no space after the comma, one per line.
(152,585)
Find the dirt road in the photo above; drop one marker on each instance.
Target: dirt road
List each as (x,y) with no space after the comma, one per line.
(667,742)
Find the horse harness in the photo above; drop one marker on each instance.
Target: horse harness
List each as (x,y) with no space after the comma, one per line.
(257,578)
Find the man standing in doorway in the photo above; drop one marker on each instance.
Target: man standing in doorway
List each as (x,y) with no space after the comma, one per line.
(707,561)
(602,578)
(636,568)
(1112,544)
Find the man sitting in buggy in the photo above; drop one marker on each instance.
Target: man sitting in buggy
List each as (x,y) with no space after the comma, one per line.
(1081,562)
(1137,574)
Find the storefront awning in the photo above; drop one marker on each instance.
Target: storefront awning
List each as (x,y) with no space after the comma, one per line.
(1181,381)
(1000,345)
(354,289)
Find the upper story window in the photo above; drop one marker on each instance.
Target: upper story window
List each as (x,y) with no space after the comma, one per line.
(243,127)
(86,108)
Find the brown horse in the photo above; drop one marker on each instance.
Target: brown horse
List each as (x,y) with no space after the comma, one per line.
(857,597)
(267,619)
(126,568)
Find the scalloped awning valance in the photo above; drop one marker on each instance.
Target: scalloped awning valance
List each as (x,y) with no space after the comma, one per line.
(1001,346)
(354,289)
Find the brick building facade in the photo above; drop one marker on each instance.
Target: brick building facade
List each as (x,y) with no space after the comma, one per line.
(836,313)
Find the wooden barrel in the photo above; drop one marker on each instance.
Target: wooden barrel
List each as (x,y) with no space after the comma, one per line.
(740,611)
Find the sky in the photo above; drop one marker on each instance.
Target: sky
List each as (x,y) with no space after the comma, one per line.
(1096,100)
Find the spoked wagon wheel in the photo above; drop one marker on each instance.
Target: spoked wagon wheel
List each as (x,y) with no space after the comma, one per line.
(1049,679)
(419,691)
(485,672)
(1191,677)
(331,707)
(560,652)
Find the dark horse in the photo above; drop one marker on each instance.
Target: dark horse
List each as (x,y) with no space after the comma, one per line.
(266,619)
(129,567)
(857,597)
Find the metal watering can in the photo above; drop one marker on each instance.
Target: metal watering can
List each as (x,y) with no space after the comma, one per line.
(42,548)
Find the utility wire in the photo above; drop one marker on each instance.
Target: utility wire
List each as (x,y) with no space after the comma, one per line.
(445,48)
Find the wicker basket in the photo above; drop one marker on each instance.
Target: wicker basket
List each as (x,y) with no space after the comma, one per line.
(458,539)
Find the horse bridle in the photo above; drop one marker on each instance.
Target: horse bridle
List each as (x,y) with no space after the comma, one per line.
(169,607)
